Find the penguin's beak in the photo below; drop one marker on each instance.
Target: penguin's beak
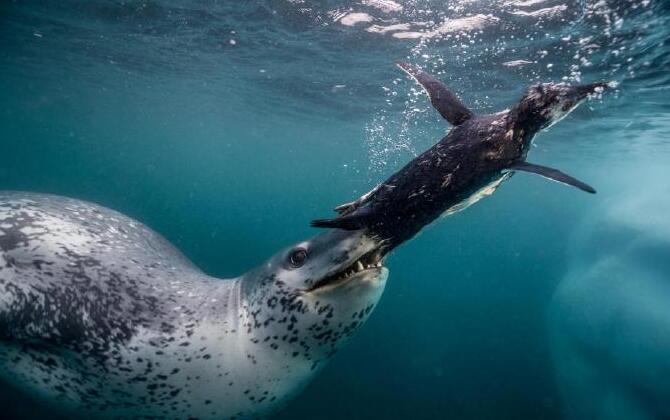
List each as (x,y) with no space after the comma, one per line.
(581,92)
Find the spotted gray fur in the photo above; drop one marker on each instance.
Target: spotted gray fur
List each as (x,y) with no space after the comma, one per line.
(100,316)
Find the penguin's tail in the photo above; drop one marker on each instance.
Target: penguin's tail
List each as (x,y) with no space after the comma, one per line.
(345,223)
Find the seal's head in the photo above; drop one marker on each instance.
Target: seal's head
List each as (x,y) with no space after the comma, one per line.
(308,299)
(544,104)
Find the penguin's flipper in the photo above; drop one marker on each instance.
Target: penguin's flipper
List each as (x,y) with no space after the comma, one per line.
(553,174)
(446,102)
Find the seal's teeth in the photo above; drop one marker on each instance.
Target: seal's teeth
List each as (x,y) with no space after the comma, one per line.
(359,266)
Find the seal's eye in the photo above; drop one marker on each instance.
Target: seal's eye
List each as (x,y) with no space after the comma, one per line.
(297,257)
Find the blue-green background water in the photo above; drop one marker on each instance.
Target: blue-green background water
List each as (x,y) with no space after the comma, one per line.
(227,126)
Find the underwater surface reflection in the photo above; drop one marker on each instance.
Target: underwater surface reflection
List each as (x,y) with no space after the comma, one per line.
(228,126)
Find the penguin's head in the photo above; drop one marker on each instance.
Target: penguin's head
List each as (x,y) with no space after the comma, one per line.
(544,104)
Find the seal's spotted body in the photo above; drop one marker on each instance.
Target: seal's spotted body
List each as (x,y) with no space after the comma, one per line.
(101,316)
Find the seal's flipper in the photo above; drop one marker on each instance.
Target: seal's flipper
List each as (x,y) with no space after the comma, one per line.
(553,174)
(446,103)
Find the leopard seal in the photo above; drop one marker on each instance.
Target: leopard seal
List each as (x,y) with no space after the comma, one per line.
(102,317)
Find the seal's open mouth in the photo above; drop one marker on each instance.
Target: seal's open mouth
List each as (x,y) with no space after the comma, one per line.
(368,262)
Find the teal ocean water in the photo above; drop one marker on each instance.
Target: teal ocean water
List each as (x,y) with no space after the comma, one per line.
(227,126)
